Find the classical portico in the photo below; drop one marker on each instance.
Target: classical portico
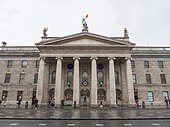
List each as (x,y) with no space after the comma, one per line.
(86,68)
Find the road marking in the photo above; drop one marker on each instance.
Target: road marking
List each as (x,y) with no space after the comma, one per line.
(19,114)
(42,124)
(150,114)
(127,124)
(14,124)
(99,125)
(70,125)
(156,124)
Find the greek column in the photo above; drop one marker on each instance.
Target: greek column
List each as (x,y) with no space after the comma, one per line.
(76,83)
(58,87)
(93,82)
(129,81)
(112,83)
(40,84)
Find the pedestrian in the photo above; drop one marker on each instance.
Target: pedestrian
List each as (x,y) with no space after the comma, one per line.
(62,103)
(166,102)
(101,104)
(35,103)
(52,103)
(19,103)
(137,103)
(75,104)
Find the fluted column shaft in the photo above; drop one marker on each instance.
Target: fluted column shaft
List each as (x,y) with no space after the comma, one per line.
(129,79)
(112,83)
(93,83)
(76,85)
(58,82)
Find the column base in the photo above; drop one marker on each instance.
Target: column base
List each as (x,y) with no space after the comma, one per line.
(42,105)
(113,106)
(94,105)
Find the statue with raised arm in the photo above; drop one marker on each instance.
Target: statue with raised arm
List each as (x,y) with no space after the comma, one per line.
(125,33)
(85,27)
(45,31)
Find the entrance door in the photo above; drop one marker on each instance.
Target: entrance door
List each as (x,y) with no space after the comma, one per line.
(85,97)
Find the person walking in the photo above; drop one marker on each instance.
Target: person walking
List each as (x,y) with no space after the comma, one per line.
(35,103)
(75,104)
(166,102)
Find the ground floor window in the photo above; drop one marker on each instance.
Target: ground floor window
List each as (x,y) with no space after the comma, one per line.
(101,94)
(4,95)
(165,95)
(150,96)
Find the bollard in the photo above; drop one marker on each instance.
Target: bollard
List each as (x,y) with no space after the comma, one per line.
(143,104)
(26,104)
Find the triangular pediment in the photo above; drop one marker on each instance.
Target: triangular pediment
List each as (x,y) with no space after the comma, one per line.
(84,39)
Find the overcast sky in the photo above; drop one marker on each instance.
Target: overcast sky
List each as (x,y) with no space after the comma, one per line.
(147,21)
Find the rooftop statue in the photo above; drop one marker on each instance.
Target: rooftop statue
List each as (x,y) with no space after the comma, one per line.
(125,33)
(45,31)
(85,27)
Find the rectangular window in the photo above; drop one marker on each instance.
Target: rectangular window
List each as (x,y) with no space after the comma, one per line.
(22,78)
(4,95)
(24,63)
(165,95)
(134,78)
(148,79)
(35,78)
(146,64)
(9,64)
(163,78)
(160,64)
(7,78)
(150,96)
(37,63)
(19,95)
(133,64)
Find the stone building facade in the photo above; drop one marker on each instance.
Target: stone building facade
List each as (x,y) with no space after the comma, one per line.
(87,68)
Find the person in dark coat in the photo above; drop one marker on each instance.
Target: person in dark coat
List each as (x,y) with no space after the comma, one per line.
(35,103)
(75,104)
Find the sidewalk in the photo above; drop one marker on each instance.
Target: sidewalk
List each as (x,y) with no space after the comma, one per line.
(86,113)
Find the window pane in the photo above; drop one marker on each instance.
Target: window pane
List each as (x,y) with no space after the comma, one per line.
(133,64)
(165,95)
(163,79)
(7,78)
(148,79)
(22,78)
(24,64)
(9,64)
(146,64)
(150,96)
(160,64)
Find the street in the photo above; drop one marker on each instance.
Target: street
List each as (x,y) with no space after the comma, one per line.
(84,123)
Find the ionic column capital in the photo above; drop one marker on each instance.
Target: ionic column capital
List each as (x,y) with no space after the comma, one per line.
(111,58)
(74,58)
(93,58)
(128,58)
(58,58)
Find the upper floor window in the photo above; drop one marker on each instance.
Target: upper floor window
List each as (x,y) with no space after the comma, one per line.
(146,64)
(24,63)
(100,78)
(53,76)
(133,64)
(9,63)
(35,78)
(160,64)
(22,78)
(116,77)
(134,78)
(37,63)
(163,78)
(85,76)
(150,96)
(148,79)
(7,78)
(69,78)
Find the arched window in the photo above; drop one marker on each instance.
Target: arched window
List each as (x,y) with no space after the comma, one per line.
(69,78)
(68,94)
(116,77)
(85,76)
(100,78)
(53,77)
(101,94)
